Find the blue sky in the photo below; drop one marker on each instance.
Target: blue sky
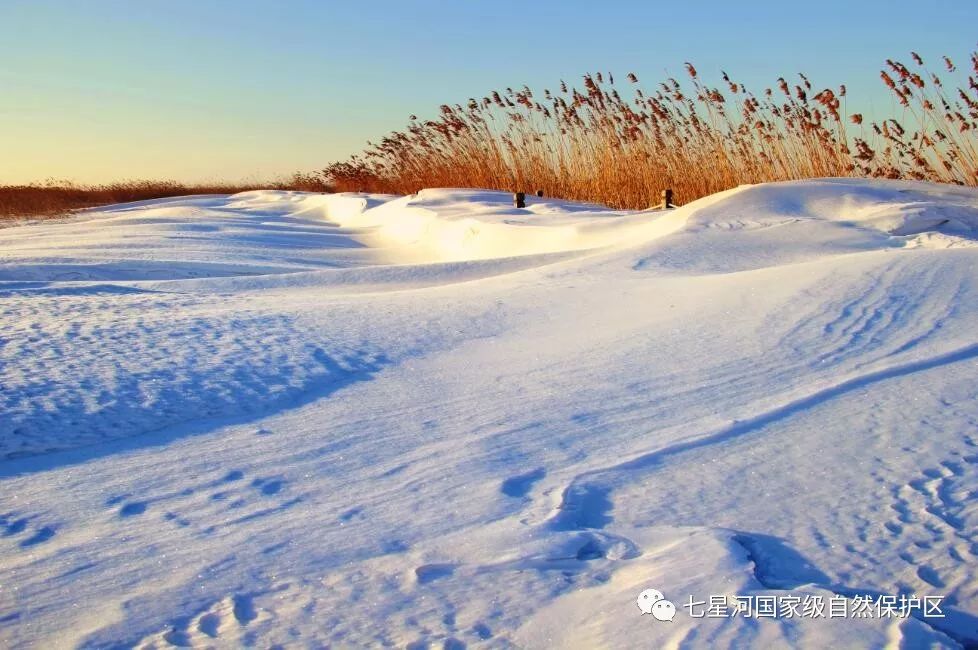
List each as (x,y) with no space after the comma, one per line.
(202,90)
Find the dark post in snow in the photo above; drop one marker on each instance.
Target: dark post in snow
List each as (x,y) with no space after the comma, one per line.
(666,200)
(540,193)
(519,199)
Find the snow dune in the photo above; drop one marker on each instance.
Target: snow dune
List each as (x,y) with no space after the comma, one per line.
(439,420)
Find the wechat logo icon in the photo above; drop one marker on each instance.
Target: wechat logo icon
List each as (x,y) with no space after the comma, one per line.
(651,601)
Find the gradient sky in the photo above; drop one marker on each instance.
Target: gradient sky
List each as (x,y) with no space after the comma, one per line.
(206,90)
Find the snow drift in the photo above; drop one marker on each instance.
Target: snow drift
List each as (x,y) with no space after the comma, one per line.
(302,419)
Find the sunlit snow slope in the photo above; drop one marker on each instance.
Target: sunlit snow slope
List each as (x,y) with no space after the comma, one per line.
(349,420)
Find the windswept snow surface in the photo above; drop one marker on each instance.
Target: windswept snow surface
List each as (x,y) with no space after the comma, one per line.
(351,420)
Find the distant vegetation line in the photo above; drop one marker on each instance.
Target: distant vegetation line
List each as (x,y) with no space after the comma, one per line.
(54,198)
(621,145)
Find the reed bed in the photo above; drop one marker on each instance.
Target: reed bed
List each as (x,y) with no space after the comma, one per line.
(618,144)
(54,198)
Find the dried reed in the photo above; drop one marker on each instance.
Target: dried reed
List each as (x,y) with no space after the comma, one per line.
(621,147)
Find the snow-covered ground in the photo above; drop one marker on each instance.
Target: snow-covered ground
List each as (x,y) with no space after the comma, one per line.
(440,421)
